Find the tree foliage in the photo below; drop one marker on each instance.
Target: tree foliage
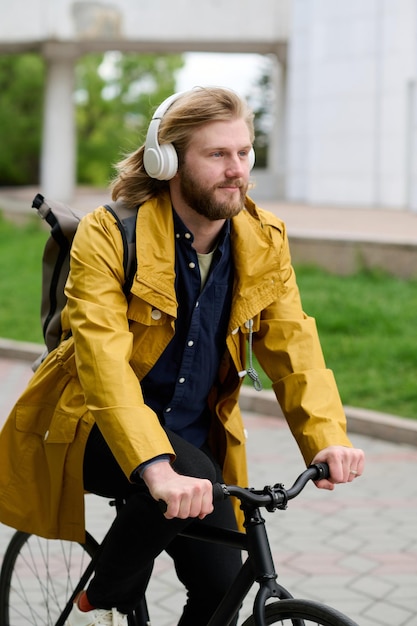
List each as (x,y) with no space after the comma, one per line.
(21,102)
(262,99)
(114,96)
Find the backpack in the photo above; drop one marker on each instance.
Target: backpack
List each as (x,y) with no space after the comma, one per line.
(63,221)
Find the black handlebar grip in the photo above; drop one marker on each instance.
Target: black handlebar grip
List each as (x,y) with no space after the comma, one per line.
(323,470)
(219,492)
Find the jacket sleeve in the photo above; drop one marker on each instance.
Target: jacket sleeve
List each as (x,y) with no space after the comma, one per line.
(288,349)
(97,313)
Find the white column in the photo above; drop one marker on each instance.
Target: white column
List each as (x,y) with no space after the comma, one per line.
(59,135)
(411,171)
(277,146)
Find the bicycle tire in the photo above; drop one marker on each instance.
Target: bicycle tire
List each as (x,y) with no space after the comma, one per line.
(295,612)
(38,577)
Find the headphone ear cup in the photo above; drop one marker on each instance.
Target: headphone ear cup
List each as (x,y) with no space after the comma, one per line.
(161,161)
(169,158)
(251,158)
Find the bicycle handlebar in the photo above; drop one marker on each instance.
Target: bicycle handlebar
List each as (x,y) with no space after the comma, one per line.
(270,498)
(275,497)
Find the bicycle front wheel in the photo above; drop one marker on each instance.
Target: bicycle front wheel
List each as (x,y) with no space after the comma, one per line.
(295,612)
(38,577)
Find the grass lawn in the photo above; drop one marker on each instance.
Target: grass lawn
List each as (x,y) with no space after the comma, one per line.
(20,279)
(367,325)
(367,322)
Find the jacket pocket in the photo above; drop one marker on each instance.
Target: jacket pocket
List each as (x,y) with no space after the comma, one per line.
(33,419)
(62,428)
(65,419)
(55,424)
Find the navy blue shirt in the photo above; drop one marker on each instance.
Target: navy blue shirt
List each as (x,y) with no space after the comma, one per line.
(177,386)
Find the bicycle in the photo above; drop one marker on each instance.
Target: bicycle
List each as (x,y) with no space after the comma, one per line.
(40,578)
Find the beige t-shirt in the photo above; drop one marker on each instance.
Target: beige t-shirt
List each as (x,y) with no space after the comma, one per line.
(204,262)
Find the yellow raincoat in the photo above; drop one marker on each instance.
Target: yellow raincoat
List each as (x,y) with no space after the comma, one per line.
(95,375)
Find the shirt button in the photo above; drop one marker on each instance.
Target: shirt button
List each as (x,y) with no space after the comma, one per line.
(191,265)
(187,236)
(156,314)
(177,235)
(190,343)
(168,409)
(181,380)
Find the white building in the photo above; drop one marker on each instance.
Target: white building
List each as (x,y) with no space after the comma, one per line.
(352,107)
(345,129)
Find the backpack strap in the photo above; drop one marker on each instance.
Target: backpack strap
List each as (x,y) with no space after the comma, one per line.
(126,222)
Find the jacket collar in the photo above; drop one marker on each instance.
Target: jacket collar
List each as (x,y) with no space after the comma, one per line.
(155,253)
(255,260)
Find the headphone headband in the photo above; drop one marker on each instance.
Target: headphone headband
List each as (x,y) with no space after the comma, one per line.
(164,106)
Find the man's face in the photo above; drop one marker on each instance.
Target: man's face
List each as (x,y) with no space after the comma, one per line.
(215,173)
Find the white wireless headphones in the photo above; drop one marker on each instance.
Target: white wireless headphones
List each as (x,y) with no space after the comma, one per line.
(161,160)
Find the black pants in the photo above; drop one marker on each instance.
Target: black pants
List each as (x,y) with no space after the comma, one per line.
(140,532)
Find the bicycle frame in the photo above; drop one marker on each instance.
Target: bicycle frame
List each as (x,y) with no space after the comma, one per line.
(258,567)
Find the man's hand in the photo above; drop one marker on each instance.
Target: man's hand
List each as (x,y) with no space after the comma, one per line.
(345,464)
(184,496)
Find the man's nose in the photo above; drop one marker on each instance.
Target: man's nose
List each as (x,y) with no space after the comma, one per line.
(235,166)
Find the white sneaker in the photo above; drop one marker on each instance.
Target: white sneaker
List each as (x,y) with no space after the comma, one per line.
(96,617)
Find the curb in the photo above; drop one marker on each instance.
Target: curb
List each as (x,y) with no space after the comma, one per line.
(360,421)
(382,426)
(20,350)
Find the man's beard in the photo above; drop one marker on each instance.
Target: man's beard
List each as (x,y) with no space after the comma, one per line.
(203,201)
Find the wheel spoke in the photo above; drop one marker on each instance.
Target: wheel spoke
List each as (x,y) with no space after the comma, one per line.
(38,578)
